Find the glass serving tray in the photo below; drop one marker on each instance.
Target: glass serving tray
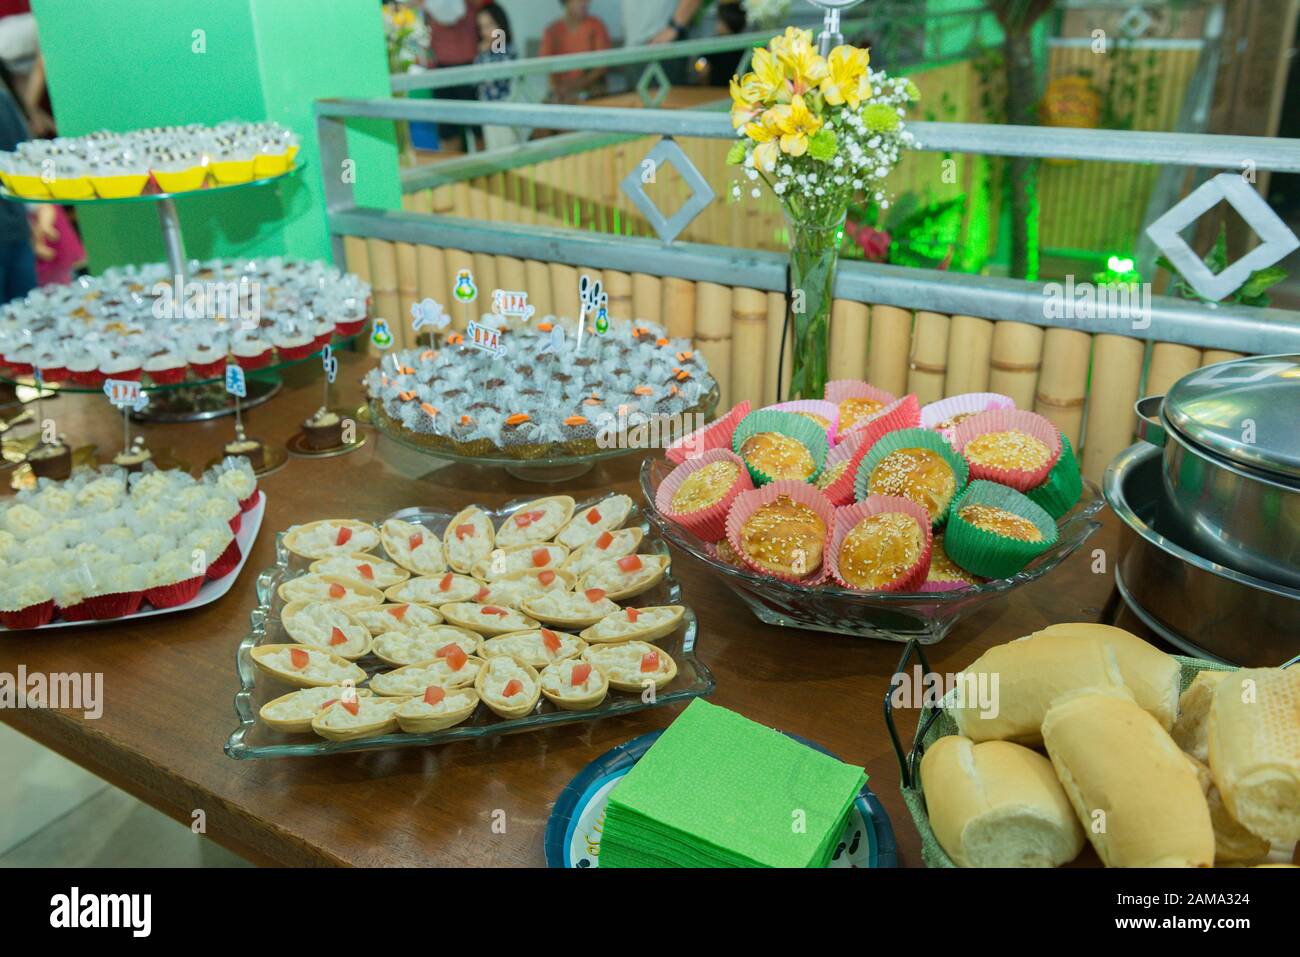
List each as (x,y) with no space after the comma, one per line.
(924,616)
(253,739)
(545,468)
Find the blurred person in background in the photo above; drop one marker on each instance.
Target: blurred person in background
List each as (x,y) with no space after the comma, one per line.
(659,21)
(719,68)
(17,238)
(495,45)
(454,41)
(577,31)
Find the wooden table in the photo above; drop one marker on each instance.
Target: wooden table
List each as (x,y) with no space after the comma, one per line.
(169,681)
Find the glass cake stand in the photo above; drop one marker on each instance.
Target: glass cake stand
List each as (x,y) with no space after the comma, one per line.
(924,616)
(557,467)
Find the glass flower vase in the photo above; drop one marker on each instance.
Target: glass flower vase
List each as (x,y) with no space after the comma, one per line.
(814,252)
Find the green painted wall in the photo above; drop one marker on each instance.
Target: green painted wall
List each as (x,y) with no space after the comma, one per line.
(123,64)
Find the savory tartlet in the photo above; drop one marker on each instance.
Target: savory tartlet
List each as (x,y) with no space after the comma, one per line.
(487,620)
(535,522)
(880,550)
(361,568)
(327,588)
(523,586)
(400,648)
(508,686)
(625,541)
(326,626)
(504,562)
(436,709)
(335,536)
(435,590)
(400,617)
(785,537)
(919,475)
(538,647)
(635,624)
(574,684)
(778,456)
(588,524)
(625,577)
(450,671)
(292,712)
(632,665)
(413,547)
(348,720)
(305,667)
(468,539)
(570,609)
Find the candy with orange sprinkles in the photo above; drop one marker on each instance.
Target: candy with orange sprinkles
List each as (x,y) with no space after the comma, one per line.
(428,408)
(576,420)
(643,390)
(519,418)
(406,396)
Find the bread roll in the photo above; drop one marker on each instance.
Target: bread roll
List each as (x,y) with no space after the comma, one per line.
(1193,714)
(997,804)
(1233,844)
(1254,750)
(1135,793)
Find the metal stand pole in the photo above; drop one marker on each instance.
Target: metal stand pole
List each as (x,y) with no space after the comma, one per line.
(173,241)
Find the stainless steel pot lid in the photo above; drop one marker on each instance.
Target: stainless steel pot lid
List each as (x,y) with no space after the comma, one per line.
(1246,410)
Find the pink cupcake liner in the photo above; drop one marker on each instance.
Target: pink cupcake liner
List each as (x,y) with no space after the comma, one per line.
(710,523)
(177,593)
(236,522)
(33,616)
(837,390)
(250,503)
(1002,420)
(802,493)
(851,449)
(715,435)
(972,402)
(226,562)
(941,586)
(847,518)
(827,410)
(117,605)
(904,413)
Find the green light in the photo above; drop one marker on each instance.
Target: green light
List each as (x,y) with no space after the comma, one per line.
(1119,264)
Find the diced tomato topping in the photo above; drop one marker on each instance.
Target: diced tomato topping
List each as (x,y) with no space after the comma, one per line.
(580,674)
(523,519)
(650,661)
(344,536)
(367,572)
(327,704)
(433,694)
(593,516)
(630,563)
(463,532)
(298,657)
(455,656)
(546,577)
(542,557)
(494,610)
(352,706)
(604,541)
(415,541)
(483,592)
(337,590)
(633,614)
(398,611)
(445,584)
(595,594)
(337,637)
(550,639)
(512,688)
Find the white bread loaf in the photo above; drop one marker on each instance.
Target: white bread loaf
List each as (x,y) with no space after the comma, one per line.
(1254,750)
(1033,672)
(1135,793)
(997,804)
(1192,727)
(1234,846)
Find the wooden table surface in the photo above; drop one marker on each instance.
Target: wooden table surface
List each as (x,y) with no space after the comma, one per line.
(169,681)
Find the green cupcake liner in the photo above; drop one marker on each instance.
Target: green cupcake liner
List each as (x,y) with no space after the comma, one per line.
(985,553)
(797,427)
(1063,485)
(913,439)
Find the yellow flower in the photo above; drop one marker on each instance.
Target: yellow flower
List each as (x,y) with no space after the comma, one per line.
(769,80)
(796,124)
(745,97)
(803,64)
(791,37)
(846,81)
(766,133)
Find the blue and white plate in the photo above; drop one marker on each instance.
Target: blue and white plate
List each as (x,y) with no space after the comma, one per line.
(573,830)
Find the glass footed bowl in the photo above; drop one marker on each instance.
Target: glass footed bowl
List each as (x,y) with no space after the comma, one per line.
(924,616)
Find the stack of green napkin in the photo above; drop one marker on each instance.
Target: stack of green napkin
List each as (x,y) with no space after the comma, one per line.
(718,790)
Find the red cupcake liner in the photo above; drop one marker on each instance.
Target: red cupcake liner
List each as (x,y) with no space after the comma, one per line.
(168,376)
(346,329)
(801,492)
(56,374)
(129,375)
(254,362)
(827,410)
(904,413)
(848,517)
(33,616)
(324,339)
(236,522)
(209,370)
(851,449)
(116,605)
(709,523)
(90,378)
(177,593)
(715,435)
(291,353)
(1002,420)
(226,562)
(21,368)
(250,503)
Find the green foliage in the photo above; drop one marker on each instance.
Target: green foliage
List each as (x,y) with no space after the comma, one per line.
(1251,293)
(922,235)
